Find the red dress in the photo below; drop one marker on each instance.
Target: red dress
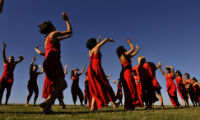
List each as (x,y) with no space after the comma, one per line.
(153,68)
(171,89)
(75,90)
(181,88)
(7,76)
(52,66)
(146,78)
(139,89)
(130,91)
(99,86)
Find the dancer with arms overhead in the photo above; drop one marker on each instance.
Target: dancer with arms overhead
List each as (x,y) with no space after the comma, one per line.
(52,64)
(126,77)
(32,83)
(75,89)
(7,77)
(100,90)
(171,87)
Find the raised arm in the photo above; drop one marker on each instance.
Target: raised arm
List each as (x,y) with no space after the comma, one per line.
(4,52)
(172,68)
(60,35)
(38,51)
(158,66)
(136,52)
(162,71)
(1,5)
(132,47)
(42,70)
(65,70)
(32,62)
(99,45)
(20,58)
(99,38)
(82,70)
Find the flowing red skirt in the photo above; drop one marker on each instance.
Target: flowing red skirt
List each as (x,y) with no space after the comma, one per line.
(171,89)
(99,86)
(130,91)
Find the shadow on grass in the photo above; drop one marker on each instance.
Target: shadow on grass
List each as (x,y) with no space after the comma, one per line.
(67,112)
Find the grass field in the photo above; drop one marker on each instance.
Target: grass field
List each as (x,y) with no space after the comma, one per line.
(21,112)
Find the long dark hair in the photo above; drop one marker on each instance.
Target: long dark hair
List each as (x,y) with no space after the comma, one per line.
(180,74)
(121,51)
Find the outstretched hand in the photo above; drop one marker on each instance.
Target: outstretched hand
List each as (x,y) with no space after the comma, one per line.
(111,40)
(65,16)
(159,63)
(37,46)
(21,57)
(128,40)
(4,45)
(34,58)
(137,47)
(65,66)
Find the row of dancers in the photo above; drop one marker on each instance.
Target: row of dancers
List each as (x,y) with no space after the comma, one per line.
(139,83)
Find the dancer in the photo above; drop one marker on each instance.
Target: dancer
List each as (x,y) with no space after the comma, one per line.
(7,77)
(86,91)
(48,87)
(189,88)
(196,90)
(118,95)
(100,90)
(1,5)
(171,87)
(32,83)
(146,74)
(128,83)
(52,64)
(156,85)
(75,89)
(138,86)
(181,88)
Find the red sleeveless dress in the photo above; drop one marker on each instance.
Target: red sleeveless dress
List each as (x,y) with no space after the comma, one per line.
(7,76)
(99,86)
(171,89)
(52,66)
(130,91)
(181,88)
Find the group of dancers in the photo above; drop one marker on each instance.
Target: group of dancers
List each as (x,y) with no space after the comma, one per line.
(139,83)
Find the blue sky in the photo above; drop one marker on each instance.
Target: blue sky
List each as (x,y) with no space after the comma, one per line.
(166,31)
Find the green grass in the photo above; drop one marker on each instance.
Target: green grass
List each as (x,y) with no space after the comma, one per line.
(21,112)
